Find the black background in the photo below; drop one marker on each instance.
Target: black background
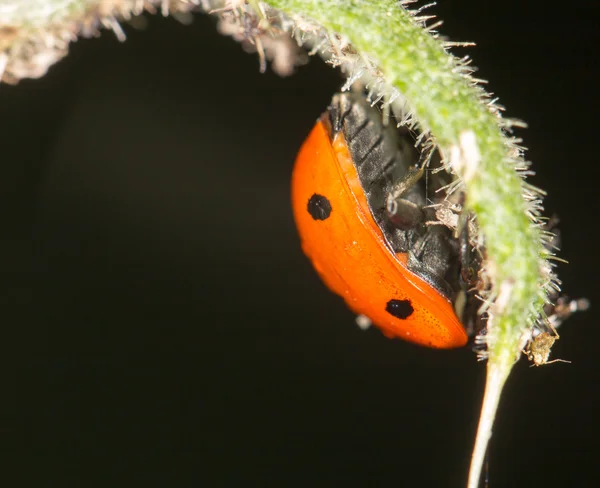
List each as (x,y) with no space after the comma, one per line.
(160,324)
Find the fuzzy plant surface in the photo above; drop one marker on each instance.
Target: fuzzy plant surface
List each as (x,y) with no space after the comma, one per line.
(393,50)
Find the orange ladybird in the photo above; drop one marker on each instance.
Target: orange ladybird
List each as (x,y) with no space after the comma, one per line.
(360,209)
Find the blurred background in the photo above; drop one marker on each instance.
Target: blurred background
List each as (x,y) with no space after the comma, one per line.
(160,324)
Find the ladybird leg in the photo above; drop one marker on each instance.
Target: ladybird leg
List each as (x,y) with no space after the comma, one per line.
(469,264)
(403,213)
(468,261)
(430,256)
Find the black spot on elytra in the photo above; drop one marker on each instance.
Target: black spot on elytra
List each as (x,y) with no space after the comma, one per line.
(401,309)
(319,207)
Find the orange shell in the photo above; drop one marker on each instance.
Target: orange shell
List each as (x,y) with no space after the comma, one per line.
(350,253)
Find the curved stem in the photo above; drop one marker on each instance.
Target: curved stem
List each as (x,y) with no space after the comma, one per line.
(381,43)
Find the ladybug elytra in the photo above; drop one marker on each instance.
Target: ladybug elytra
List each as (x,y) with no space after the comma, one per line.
(360,206)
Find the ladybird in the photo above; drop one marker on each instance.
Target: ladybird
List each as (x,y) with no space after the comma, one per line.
(360,207)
